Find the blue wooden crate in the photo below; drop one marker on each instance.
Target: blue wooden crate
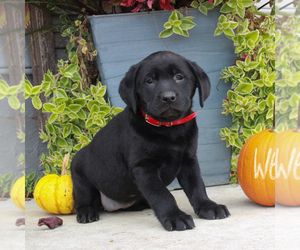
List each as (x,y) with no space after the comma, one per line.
(125,39)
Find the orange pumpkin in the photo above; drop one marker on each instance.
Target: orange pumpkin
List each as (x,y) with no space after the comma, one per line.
(256,168)
(287,146)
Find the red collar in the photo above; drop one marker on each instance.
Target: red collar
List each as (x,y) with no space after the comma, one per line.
(157,123)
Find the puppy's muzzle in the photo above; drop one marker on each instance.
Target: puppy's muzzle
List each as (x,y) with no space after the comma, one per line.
(168,97)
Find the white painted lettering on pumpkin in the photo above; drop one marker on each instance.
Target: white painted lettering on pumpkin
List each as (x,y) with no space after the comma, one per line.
(280,170)
(273,166)
(258,170)
(296,165)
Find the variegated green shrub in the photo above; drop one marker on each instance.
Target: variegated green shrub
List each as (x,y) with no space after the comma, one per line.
(287,71)
(76,112)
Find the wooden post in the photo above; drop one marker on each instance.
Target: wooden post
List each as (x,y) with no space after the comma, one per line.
(42,50)
(15,50)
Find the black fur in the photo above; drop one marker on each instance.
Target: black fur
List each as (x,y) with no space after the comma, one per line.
(131,161)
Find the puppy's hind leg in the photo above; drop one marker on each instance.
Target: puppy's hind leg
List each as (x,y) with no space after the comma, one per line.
(86,199)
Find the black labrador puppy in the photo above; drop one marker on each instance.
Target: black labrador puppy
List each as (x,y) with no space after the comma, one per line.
(143,149)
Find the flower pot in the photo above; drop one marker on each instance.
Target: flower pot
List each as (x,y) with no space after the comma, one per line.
(125,39)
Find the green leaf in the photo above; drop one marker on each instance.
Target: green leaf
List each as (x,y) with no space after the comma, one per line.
(14,102)
(48,107)
(89,123)
(269,114)
(254,35)
(248,60)
(61,108)
(294,100)
(177,23)
(233,25)
(28,87)
(177,30)
(80,101)
(60,93)
(167,25)
(13,90)
(293,114)
(218,32)
(81,114)
(118,110)
(166,33)
(185,33)
(270,100)
(71,69)
(238,143)
(187,24)
(31,177)
(203,9)
(226,8)
(226,25)
(173,16)
(50,128)
(244,88)
(45,85)
(84,139)
(67,130)
(262,105)
(76,130)
(229,32)
(75,107)
(93,90)
(52,118)
(7,176)
(101,91)
(36,102)
(246,3)
(35,90)
(195,4)
(240,11)
(95,108)
(62,142)
(222,19)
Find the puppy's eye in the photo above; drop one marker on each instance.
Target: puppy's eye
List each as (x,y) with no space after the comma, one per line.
(150,80)
(179,77)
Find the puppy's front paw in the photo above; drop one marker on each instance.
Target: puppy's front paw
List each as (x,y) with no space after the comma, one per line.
(87,215)
(177,221)
(210,210)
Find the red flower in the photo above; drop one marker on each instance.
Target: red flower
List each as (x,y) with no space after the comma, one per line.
(227,99)
(211,1)
(232,172)
(137,8)
(149,3)
(245,56)
(165,4)
(128,3)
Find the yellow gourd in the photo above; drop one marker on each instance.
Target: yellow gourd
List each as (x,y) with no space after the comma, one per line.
(53,193)
(17,193)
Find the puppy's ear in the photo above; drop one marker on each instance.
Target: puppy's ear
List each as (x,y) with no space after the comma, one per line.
(127,88)
(202,82)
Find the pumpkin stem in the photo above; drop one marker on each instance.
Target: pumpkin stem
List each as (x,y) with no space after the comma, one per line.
(65,164)
(298,127)
(273,125)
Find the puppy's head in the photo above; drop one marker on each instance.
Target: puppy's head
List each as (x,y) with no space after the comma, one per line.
(163,85)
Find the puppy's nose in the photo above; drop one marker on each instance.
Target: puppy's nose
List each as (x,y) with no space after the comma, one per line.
(168,97)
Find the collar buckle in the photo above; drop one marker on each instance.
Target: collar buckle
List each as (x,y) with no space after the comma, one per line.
(171,124)
(147,120)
